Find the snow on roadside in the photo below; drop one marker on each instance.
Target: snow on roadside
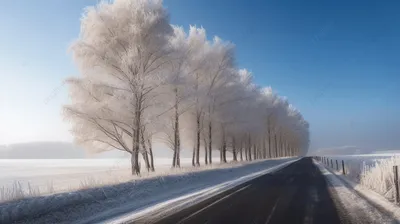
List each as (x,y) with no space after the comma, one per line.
(372,172)
(136,194)
(361,209)
(185,201)
(20,179)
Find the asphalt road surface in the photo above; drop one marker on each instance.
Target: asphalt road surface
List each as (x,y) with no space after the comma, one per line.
(297,193)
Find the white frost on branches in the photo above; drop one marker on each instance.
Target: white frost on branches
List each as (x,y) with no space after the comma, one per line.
(144,80)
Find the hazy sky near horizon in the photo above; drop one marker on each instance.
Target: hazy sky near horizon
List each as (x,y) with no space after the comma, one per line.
(336,61)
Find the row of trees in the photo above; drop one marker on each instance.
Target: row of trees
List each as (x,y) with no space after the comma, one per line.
(144,80)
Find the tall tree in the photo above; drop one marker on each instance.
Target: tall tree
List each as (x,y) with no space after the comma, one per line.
(122,47)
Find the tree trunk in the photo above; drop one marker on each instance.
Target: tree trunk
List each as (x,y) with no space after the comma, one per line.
(255,152)
(178,152)
(264,148)
(205,151)
(193,156)
(276,147)
(280,145)
(220,154)
(288,149)
(144,153)
(241,151)
(249,148)
(146,160)
(136,166)
(151,155)
(223,159)
(174,159)
(135,163)
(284,148)
(249,152)
(176,129)
(224,154)
(269,142)
(209,142)
(245,152)
(198,140)
(136,139)
(234,149)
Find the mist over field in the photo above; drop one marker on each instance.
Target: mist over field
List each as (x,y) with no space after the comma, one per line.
(67,150)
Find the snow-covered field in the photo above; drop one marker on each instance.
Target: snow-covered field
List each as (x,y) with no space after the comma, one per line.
(20,178)
(373,171)
(109,201)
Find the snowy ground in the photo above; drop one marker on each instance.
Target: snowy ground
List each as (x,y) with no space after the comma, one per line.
(373,171)
(62,172)
(42,177)
(60,175)
(134,195)
(358,209)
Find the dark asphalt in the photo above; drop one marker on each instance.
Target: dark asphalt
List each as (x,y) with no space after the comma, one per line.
(297,193)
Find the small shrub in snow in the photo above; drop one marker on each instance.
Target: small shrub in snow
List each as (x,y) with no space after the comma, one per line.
(379,176)
(375,174)
(18,191)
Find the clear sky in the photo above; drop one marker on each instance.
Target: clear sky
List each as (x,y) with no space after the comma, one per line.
(338,62)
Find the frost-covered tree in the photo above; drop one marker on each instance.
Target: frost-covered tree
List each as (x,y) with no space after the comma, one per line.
(120,53)
(143,80)
(177,96)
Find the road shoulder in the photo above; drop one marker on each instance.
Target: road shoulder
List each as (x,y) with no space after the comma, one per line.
(166,208)
(350,204)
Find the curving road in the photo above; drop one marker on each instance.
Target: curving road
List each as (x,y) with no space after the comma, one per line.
(297,193)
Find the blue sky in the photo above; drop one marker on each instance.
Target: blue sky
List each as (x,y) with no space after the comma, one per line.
(336,61)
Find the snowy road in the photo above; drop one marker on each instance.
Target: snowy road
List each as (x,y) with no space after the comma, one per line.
(298,193)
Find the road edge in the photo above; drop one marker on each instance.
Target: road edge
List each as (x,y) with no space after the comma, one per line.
(164,210)
(373,198)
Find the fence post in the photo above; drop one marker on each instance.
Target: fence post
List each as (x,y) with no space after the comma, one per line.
(396,182)
(343,170)
(337,165)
